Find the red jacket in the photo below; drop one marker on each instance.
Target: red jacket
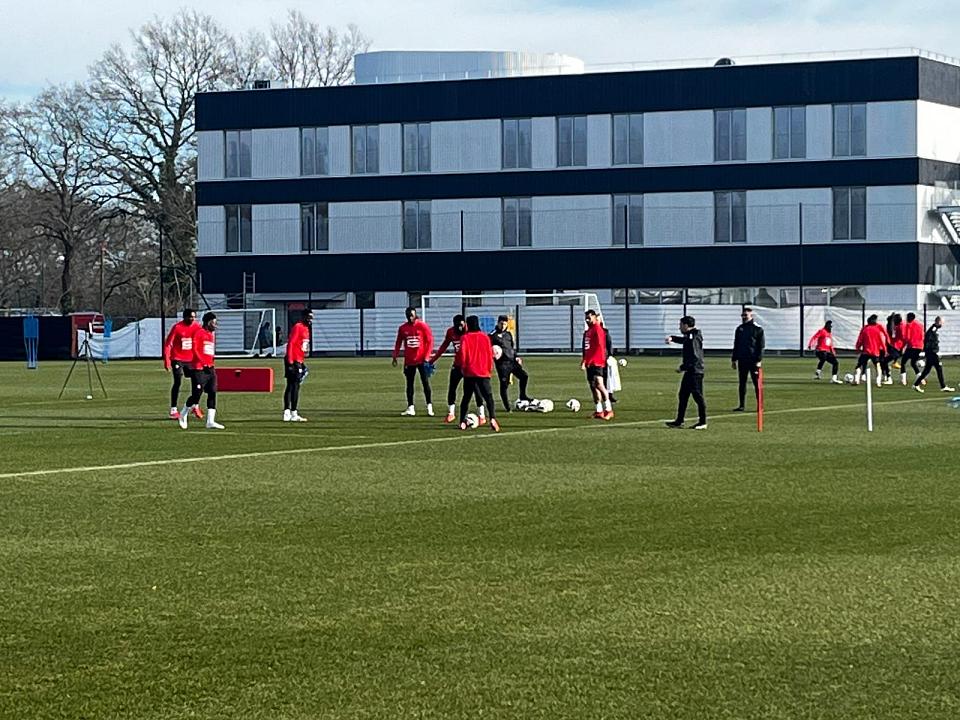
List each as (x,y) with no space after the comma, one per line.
(475,355)
(416,339)
(452,337)
(595,346)
(204,349)
(873,340)
(298,344)
(913,335)
(179,343)
(896,339)
(823,340)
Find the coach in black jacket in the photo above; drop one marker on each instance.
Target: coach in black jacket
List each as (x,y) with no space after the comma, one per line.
(748,347)
(691,366)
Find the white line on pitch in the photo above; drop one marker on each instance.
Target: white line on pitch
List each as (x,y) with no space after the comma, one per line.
(402,443)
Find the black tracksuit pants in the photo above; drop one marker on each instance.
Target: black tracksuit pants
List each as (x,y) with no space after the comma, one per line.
(746,368)
(910,355)
(691,385)
(932,363)
(477,386)
(179,371)
(825,358)
(455,377)
(291,395)
(204,381)
(506,368)
(409,371)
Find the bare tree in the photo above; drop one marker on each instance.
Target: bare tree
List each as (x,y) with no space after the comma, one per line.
(247,59)
(304,54)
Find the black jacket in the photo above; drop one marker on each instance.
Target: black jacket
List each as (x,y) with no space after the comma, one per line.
(931,340)
(504,340)
(748,342)
(692,351)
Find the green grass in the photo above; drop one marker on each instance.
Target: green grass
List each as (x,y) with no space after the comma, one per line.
(562,569)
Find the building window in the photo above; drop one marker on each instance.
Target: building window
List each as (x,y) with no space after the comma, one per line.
(314,227)
(850,213)
(416,225)
(789,132)
(416,147)
(238,156)
(365,300)
(627,220)
(517,136)
(239,229)
(628,139)
(314,151)
(850,130)
(365,141)
(572,141)
(730,134)
(517,225)
(730,217)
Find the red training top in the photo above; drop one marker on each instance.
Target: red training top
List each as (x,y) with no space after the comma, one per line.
(179,343)
(823,340)
(913,335)
(475,355)
(298,344)
(416,339)
(897,338)
(452,337)
(873,340)
(595,346)
(204,344)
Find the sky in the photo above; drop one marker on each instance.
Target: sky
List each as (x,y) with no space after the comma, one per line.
(54,41)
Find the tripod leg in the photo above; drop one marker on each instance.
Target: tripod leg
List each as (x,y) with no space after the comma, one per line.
(89,376)
(99,379)
(69,373)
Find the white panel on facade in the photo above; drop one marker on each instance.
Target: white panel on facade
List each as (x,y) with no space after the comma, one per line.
(465,146)
(276,229)
(211,230)
(930,225)
(892,129)
(773,216)
(759,134)
(339,136)
(678,138)
(392,300)
(573,221)
(365,227)
(481,224)
(276,153)
(391,149)
(892,296)
(544,142)
(210,155)
(819,132)
(937,135)
(599,141)
(892,213)
(677,219)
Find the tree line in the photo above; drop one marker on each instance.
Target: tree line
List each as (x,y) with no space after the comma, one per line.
(92,173)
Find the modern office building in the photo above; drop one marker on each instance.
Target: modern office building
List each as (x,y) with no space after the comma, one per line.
(726,183)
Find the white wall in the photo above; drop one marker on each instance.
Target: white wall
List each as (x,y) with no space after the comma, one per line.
(339,137)
(481,224)
(365,227)
(759,134)
(938,132)
(210,155)
(599,141)
(579,221)
(543,153)
(276,229)
(773,216)
(678,138)
(391,149)
(892,129)
(819,132)
(465,146)
(211,230)
(671,219)
(275,153)
(892,213)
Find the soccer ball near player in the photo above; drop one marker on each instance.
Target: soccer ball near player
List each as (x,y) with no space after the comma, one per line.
(848,378)
(473,422)
(544,406)
(573,405)
(497,352)
(522,405)
(622,362)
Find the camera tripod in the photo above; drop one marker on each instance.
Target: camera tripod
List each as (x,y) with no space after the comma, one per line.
(86,355)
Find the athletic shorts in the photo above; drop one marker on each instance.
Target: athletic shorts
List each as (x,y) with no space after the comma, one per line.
(178,367)
(594,372)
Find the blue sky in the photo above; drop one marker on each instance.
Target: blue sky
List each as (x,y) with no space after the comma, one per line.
(55,40)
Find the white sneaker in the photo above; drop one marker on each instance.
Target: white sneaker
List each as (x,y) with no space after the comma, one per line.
(214,425)
(287,416)
(918,388)
(817,375)
(429,410)
(295,417)
(410,411)
(836,381)
(948,389)
(903,379)
(888,381)
(182,420)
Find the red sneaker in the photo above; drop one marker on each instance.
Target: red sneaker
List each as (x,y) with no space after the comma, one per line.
(607,415)
(463,426)
(449,419)
(598,416)
(197,412)
(174,414)
(483,419)
(494,425)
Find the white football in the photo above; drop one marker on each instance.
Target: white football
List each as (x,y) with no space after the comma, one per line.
(921,363)
(497,352)
(522,405)
(848,378)
(473,421)
(545,405)
(573,405)
(622,362)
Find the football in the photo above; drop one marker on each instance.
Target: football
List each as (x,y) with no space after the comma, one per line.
(622,362)
(848,378)
(522,405)
(573,405)
(473,422)
(545,405)
(497,352)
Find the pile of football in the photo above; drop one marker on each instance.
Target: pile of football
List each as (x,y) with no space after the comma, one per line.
(540,406)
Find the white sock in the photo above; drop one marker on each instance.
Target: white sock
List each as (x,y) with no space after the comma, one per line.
(211,416)
(599,407)
(608,406)
(833,377)
(172,409)
(482,411)
(452,410)
(294,413)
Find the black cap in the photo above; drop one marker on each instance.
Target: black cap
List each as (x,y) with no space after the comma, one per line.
(503,318)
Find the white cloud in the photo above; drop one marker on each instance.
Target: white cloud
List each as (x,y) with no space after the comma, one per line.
(55,40)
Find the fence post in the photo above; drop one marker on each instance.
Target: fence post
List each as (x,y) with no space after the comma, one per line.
(361,333)
(802,304)
(863,314)
(461,232)
(572,346)
(924,315)
(516,325)
(626,320)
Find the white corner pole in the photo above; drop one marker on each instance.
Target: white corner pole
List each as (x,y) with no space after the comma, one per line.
(869,401)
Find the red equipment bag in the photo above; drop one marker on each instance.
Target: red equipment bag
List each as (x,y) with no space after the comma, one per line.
(253,379)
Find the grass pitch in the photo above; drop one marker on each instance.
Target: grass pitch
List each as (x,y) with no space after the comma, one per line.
(365,565)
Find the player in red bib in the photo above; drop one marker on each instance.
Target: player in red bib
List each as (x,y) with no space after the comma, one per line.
(912,333)
(894,349)
(294,369)
(178,354)
(452,338)
(204,374)
(594,362)
(872,343)
(475,359)
(822,344)
(415,338)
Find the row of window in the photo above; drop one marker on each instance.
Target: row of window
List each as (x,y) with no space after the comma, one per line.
(730,141)
(729,221)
